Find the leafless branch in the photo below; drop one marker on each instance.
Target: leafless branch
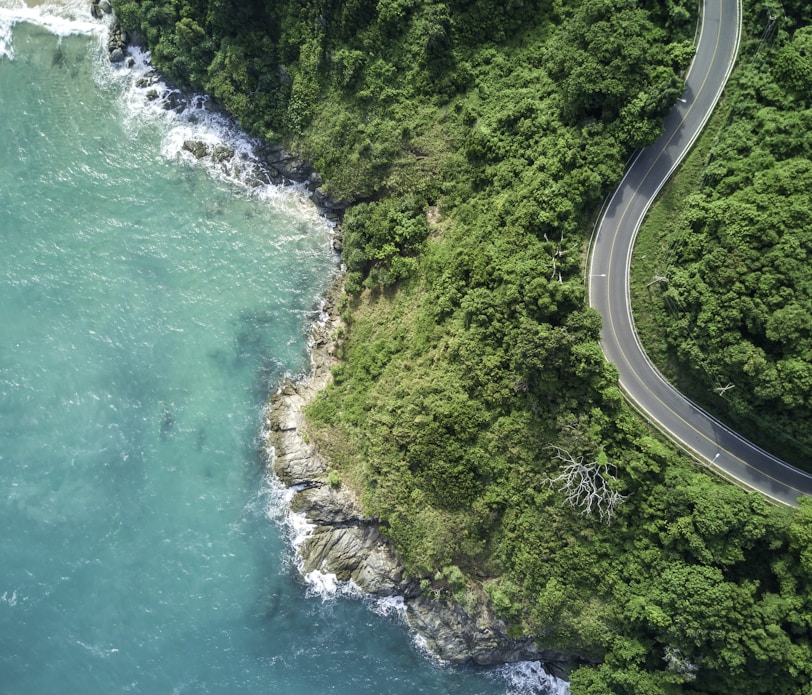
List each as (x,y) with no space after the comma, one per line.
(587,485)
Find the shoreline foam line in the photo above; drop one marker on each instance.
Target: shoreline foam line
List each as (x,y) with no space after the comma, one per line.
(60,20)
(521,678)
(187,122)
(232,154)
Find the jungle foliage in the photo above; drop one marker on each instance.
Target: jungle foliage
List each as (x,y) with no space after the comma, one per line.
(739,292)
(478,138)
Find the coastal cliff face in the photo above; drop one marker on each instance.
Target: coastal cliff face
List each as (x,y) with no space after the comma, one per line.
(350,545)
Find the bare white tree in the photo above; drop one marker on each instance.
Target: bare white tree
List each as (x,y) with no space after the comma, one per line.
(722,390)
(676,661)
(587,485)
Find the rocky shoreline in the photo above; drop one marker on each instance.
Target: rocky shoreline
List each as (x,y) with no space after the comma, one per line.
(270,163)
(343,541)
(350,545)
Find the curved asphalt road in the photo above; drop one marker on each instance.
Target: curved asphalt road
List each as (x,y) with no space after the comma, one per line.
(692,428)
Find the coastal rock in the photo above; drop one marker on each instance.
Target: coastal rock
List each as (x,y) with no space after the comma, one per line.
(332,208)
(148,80)
(294,168)
(454,635)
(323,200)
(117,40)
(284,166)
(173,100)
(222,153)
(346,543)
(354,553)
(198,148)
(325,505)
(296,463)
(475,634)
(287,165)
(99,8)
(314,181)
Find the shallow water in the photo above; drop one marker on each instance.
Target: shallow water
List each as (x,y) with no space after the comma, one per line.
(149,306)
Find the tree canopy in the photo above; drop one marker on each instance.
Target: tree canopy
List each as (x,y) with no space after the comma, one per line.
(739,283)
(478,139)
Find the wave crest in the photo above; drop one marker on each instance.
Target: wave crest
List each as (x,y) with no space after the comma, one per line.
(61,19)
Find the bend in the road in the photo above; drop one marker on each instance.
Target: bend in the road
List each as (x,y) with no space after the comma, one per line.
(704,437)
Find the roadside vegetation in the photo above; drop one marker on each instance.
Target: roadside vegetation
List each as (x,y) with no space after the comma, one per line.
(730,320)
(473,409)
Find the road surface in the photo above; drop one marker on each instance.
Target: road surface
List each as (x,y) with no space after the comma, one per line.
(693,429)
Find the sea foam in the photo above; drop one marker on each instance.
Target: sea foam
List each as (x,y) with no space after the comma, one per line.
(529,678)
(6,43)
(230,154)
(60,19)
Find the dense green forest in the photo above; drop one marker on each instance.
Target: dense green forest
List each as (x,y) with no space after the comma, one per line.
(477,140)
(737,308)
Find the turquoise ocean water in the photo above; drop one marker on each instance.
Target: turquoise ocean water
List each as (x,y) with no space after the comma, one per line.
(148,306)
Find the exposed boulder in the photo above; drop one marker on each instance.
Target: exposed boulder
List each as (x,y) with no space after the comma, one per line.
(198,148)
(222,153)
(99,8)
(117,40)
(174,100)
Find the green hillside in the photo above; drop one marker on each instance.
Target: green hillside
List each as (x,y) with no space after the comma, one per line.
(733,324)
(477,140)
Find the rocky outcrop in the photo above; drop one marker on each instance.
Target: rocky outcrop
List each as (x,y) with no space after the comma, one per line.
(272,164)
(347,543)
(286,165)
(343,542)
(117,42)
(100,8)
(290,167)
